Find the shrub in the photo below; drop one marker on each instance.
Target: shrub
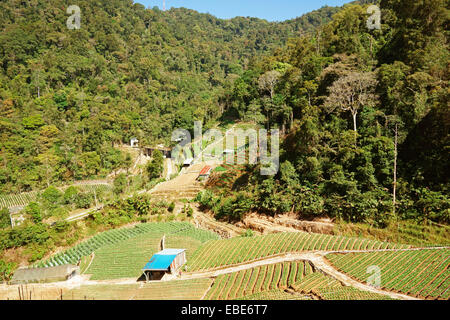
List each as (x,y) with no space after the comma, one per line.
(83,200)
(120,184)
(51,197)
(6,270)
(70,195)
(190,212)
(5,220)
(34,211)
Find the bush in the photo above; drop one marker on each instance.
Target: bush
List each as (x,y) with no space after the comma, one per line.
(190,212)
(425,204)
(34,211)
(6,270)
(5,220)
(70,195)
(171,207)
(51,197)
(156,166)
(83,200)
(120,184)
(248,233)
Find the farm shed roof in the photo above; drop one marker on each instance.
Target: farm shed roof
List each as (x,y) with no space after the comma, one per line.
(51,274)
(205,170)
(162,260)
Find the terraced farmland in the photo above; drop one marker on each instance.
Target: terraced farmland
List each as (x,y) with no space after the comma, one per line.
(419,273)
(17,200)
(327,288)
(275,295)
(261,279)
(173,290)
(220,253)
(113,237)
(126,258)
(23,199)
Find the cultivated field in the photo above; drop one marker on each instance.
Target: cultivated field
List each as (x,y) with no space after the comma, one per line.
(115,237)
(173,290)
(221,253)
(284,281)
(418,273)
(252,281)
(126,258)
(23,199)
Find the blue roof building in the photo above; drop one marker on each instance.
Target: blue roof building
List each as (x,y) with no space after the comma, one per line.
(163,262)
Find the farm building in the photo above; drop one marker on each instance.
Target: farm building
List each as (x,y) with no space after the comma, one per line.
(188,162)
(168,261)
(45,275)
(204,173)
(134,143)
(148,151)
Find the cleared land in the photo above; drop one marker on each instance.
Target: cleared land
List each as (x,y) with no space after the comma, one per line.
(421,273)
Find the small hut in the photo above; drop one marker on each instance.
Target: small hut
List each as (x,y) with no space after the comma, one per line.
(45,275)
(188,162)
(134,143)
(204,173)
(168,261)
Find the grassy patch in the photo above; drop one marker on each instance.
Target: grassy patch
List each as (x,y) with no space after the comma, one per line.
(406,232)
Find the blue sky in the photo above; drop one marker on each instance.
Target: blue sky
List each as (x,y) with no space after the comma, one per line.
(272,10)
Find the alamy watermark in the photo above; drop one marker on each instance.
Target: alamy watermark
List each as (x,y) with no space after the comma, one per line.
(74,21)
(375,279)
(374,21)
(210,146)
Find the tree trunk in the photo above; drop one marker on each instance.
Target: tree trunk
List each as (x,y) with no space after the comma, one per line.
(394,192)
(354,114)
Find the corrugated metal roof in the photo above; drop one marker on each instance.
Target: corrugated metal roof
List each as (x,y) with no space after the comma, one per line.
(205,170)
(160,262)
(171,252)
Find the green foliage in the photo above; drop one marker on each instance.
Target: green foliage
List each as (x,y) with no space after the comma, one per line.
(248,233)
(142,74)
(6,270)
(156,166)
(51,197)
(34,211)
(84,200)
(5,220)
(393,89)
(120,183)
(70,195)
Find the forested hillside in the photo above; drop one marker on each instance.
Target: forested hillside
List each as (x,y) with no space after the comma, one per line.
(365,116)
(66,96)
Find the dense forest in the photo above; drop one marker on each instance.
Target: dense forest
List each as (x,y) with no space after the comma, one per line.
(365,115)
(67,96)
